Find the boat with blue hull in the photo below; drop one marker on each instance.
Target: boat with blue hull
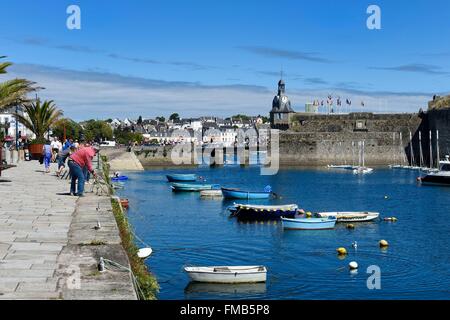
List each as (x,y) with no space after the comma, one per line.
(262,212)
(119,178)
(183,177)
(193,187)
(309,223)
(229,193)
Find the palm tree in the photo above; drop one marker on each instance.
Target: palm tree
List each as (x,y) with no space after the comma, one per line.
(14,91)
(39,117)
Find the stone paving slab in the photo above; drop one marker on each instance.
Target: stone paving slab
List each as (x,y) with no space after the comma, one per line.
(44,233)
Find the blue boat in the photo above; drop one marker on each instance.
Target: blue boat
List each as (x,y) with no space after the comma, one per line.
(309,223)
(262,212)
(119,178)
(193,187)
(249,195)
(184,177)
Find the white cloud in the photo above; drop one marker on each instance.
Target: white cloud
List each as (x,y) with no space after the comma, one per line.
(87,94)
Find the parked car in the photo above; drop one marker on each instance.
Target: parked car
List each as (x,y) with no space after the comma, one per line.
(107,143)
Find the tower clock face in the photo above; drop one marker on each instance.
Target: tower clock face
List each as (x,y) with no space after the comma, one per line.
(284,99)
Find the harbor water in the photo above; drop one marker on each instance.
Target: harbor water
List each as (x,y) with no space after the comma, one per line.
(184,229)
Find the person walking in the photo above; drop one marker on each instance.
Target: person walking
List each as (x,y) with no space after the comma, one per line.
(62,157)
(47,153)
(77,162)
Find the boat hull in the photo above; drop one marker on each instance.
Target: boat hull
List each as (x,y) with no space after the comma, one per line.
(191,187)
(350,216)
(308,223)
(436,179)
(211,193)
(181,177)
(255,212)
(238,194)
(242,274)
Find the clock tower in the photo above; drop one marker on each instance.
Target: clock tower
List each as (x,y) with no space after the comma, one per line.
(281,109)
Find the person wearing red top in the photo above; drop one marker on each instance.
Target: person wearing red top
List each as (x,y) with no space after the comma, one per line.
(77,162)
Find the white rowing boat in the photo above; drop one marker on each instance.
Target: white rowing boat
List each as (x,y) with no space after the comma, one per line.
(144,252)
(350,216)
(227,274)
(211,193)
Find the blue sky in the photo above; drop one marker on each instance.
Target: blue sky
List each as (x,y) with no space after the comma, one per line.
(150,58)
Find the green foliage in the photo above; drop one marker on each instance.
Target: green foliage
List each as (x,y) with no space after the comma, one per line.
(124,136)
(39,117)
(174,116)
(147,282)
(97,130)
(13,91)
(243,117)
(139,120)
(73,129)
(160,119)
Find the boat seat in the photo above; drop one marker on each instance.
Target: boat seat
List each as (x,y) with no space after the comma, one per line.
(223,269)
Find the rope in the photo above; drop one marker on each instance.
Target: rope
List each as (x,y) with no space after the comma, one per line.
(120,267)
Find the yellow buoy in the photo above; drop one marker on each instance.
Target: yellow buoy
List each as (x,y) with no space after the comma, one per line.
(383,243)
(350,226)
(308,214)
(341,251)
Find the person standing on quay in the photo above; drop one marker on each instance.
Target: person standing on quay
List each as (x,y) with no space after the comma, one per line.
(77,162)
(47,153)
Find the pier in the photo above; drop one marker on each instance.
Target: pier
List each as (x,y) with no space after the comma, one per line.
(49,248)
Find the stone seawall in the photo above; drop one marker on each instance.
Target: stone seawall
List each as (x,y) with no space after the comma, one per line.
(334,139)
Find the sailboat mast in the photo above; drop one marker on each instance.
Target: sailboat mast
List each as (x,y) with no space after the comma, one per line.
(420,148)
(431,153)
(437,149)
(411,149)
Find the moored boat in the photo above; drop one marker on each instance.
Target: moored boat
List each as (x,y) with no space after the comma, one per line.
(227,274)
(262,212)
(183,177)
(309,223)
(229,193)
(119,178)
(213,193)
(350,216)
(441,177)
(194,187)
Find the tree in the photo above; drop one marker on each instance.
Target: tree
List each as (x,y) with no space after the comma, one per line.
(14,91)
(73,129)
(97,130)
(125,136)
(39,117)
(161,119)
(139,120)
(174,117)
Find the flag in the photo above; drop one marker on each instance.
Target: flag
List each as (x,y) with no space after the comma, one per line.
(349,102)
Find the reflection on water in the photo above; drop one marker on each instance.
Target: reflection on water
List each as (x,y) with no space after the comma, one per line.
(184,229)
(224,288)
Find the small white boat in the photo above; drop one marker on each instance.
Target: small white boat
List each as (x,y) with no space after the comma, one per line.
(362,170)
(211,193)
(227,274)
(350,216)
(144,253)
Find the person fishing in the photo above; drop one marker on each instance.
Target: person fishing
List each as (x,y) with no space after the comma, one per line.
(79,160)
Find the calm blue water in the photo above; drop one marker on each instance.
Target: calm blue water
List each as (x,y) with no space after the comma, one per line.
(184,229)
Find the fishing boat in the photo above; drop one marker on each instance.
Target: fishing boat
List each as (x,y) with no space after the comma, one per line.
(350,216)
(309,223)
(181,177)
(262,212)
(441,177)
(213,193)
(227,274)
(340,166)
(194,187)
(249,195)
(119,178)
